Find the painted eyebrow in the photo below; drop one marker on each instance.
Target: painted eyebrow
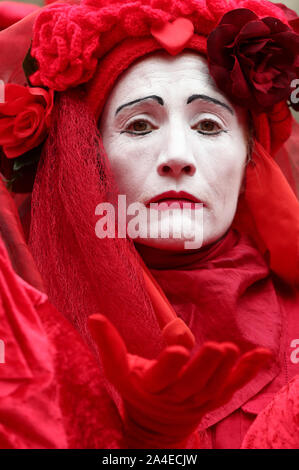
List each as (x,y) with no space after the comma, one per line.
(154,97)
(189,100)
(210,100)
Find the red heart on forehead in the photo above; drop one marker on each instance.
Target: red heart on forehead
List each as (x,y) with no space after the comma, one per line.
(174,36)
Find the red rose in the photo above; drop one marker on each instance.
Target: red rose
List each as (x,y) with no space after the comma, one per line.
(64,45)
(253,60)
(24,118)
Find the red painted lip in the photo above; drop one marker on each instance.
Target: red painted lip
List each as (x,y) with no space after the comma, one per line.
(173,195)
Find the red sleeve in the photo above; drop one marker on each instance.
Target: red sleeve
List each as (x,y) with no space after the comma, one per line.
(29,410)
(12,235)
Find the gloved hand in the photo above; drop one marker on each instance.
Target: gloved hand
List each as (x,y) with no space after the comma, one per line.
(165,399)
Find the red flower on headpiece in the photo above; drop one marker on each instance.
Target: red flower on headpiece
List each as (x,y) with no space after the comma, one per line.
(253,60)
(64,44)
(24,118)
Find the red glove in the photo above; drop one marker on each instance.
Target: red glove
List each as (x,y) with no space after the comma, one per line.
(164,400)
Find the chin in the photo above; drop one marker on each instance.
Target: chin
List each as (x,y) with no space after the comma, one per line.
(204,236)
(163,243)
(167,238)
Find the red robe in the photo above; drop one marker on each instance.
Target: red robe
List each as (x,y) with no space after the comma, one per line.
(53,394)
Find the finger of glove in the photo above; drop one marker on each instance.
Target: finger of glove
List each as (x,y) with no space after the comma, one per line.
(245,370)
(177,333)
(217,381)
(112,349)
(165,369)
(197,372)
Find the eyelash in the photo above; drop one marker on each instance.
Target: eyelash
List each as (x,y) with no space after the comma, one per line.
(136,133)
(212,134)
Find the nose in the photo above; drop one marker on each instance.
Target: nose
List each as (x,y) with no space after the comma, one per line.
(176,157)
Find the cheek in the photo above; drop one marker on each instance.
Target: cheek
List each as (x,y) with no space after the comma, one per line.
(130,163)
(224,183)
(225,176)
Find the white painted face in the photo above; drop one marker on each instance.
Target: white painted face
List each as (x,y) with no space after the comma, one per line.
(166,127)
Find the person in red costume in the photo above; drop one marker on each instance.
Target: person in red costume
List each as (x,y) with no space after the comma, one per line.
(185,347)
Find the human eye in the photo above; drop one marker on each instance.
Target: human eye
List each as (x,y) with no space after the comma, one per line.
(138,127)
(209,127)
